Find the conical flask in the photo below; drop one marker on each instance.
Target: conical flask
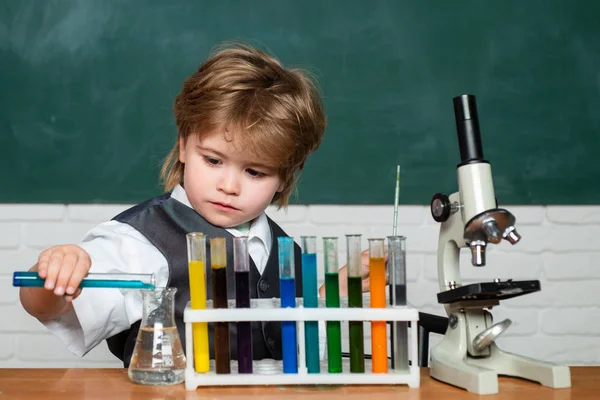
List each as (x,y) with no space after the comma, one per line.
(158,357)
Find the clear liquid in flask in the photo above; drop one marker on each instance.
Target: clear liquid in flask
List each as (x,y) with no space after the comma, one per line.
(158,358)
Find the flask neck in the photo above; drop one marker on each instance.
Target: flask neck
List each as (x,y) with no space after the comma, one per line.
(159,307)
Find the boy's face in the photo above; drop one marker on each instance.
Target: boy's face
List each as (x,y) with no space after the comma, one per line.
(226,186)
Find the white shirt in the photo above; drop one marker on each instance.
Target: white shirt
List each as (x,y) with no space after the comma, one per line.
(118,247)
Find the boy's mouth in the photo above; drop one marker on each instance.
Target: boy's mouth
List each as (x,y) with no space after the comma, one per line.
(224,206)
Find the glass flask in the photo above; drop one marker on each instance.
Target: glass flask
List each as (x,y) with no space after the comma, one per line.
(158,357)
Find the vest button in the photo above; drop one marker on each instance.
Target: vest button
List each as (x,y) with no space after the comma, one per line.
(271,343)
(263,285)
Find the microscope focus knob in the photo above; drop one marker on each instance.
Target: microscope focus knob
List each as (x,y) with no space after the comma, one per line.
(511,235)
(440,207)
(478,253)
(492,231)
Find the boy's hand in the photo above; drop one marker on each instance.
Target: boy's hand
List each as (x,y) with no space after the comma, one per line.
(343,275)
(63,267)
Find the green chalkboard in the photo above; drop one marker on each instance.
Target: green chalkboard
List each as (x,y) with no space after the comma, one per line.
(87,88)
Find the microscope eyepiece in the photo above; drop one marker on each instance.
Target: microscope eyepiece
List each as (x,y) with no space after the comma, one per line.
(467,126)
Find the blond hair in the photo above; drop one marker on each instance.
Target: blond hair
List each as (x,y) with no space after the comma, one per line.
(278,112)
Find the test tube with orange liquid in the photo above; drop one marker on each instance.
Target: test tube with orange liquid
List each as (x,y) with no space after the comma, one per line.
(377,287)
(196,249)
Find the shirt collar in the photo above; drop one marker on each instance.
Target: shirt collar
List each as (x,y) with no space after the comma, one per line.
(179,194)
(259,229)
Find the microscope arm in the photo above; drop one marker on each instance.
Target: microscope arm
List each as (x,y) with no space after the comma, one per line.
(449,243)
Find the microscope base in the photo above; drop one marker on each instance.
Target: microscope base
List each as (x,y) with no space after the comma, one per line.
(451,363)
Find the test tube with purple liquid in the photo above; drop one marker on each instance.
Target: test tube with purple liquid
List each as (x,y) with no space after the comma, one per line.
(241,267)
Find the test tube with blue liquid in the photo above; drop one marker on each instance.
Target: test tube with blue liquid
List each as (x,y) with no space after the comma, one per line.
(397,281)
(92,280)
(287,289)
(357,346)
(310,297)
(241,266)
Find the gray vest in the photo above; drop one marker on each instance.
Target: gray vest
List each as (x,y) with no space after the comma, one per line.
(165,222)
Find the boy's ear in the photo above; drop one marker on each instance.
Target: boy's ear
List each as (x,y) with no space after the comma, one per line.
(281,187)
(182,150)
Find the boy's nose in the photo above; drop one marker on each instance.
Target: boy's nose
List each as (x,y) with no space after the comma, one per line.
(229,183)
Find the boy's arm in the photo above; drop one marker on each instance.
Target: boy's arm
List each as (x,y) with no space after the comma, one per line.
(63,268)
(42,304)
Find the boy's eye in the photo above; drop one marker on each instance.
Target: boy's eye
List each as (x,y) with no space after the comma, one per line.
(255,173)
(212,161)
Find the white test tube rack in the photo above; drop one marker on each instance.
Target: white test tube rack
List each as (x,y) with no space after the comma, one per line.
(270,372)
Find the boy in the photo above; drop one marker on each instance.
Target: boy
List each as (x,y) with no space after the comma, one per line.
(246,125)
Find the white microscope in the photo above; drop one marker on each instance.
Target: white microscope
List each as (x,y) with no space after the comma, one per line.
(467,356)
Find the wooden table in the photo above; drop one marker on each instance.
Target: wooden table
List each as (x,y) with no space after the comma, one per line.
(113,384)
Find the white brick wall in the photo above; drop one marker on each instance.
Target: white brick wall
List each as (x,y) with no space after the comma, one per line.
(560,247)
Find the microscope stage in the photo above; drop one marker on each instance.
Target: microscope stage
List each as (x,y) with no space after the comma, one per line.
(489,291)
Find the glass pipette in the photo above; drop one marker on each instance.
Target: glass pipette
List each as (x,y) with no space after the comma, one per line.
(92,280)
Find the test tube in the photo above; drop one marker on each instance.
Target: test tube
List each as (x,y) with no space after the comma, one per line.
(377,289)
(310,296)
(332,300)
(196,251)
(397,271)
(357,346)
(287,288)
(218,258)
(241,266)
(92,280)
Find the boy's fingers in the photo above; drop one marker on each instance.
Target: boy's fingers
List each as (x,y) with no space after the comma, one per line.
(54,264)
(70,298)
(79,272)
(42,264)
(64,274)
(366,283)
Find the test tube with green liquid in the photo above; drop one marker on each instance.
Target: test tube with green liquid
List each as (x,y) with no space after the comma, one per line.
(357,350)
(332,299)
(218,258)
(310,297)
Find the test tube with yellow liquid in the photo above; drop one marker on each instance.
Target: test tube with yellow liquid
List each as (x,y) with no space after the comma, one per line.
(377,288)
(196,249)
